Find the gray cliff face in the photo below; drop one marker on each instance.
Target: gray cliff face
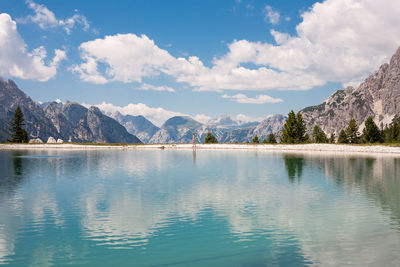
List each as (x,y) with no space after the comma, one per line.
(378,96)
(37,124)
(79,124)
(136,125)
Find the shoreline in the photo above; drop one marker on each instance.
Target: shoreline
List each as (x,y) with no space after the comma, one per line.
(333,148)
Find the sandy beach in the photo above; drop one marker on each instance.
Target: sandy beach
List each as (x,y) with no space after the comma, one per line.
(332,148)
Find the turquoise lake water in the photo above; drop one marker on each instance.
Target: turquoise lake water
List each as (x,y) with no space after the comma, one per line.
(204,208)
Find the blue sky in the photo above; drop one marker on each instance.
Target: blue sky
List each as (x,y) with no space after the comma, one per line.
(201,58)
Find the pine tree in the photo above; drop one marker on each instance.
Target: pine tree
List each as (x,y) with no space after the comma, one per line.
(301,129)
(332,138)
(319,136)
(289,129)
(271,139)
(352,132)
(210,139)
(342,139)
(371,132)
(392,134)
(255,140)
(18,134)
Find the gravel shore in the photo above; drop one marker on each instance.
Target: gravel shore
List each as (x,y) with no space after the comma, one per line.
(334,148)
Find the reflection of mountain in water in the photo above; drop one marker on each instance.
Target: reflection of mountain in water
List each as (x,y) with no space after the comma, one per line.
(378,177)
(131,199)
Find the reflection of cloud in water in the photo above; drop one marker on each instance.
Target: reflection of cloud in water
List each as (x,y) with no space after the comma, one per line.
(341,210)
(331,227)
(38,207)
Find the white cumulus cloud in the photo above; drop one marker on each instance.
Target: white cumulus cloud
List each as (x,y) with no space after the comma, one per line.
(128,58)
(17,61)
(46,18)
(202,118)
(336,41)
(259,99)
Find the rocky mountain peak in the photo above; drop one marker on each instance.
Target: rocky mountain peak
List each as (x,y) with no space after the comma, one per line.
(37,124)
(377,96)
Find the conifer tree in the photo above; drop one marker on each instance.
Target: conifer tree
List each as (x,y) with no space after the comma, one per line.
(255,140)
(319,135)
(342,139)
(352,132)
(392,134)
(301,129)
(371,132)
(210,139)
(18,134)
(332,138)
(271,139)
(289,129)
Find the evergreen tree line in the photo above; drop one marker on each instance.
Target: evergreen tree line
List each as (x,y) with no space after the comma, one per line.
(295,132)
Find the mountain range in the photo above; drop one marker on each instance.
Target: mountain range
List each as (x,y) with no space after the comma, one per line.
(70,121)
(378,96)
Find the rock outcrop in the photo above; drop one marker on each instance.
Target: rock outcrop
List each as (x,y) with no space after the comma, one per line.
(36,141)
(51,140)
(378,96)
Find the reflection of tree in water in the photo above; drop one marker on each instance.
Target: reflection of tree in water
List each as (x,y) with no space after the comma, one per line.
(378,178)
(17,167)
(294,166)
(12,172)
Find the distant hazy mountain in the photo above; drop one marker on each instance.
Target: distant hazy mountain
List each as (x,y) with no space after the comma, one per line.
(136,125)
(378,96)
(37,124)
(177,129)
(226,122)
(180,129)
(79,124)
(271,124)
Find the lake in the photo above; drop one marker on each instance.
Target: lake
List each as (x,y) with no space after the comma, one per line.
(203,208)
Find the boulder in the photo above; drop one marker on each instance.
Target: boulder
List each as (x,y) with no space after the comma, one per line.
(36,141)
(60,141)
(51,140)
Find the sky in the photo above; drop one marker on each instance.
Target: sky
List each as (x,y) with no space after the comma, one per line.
(245,58)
